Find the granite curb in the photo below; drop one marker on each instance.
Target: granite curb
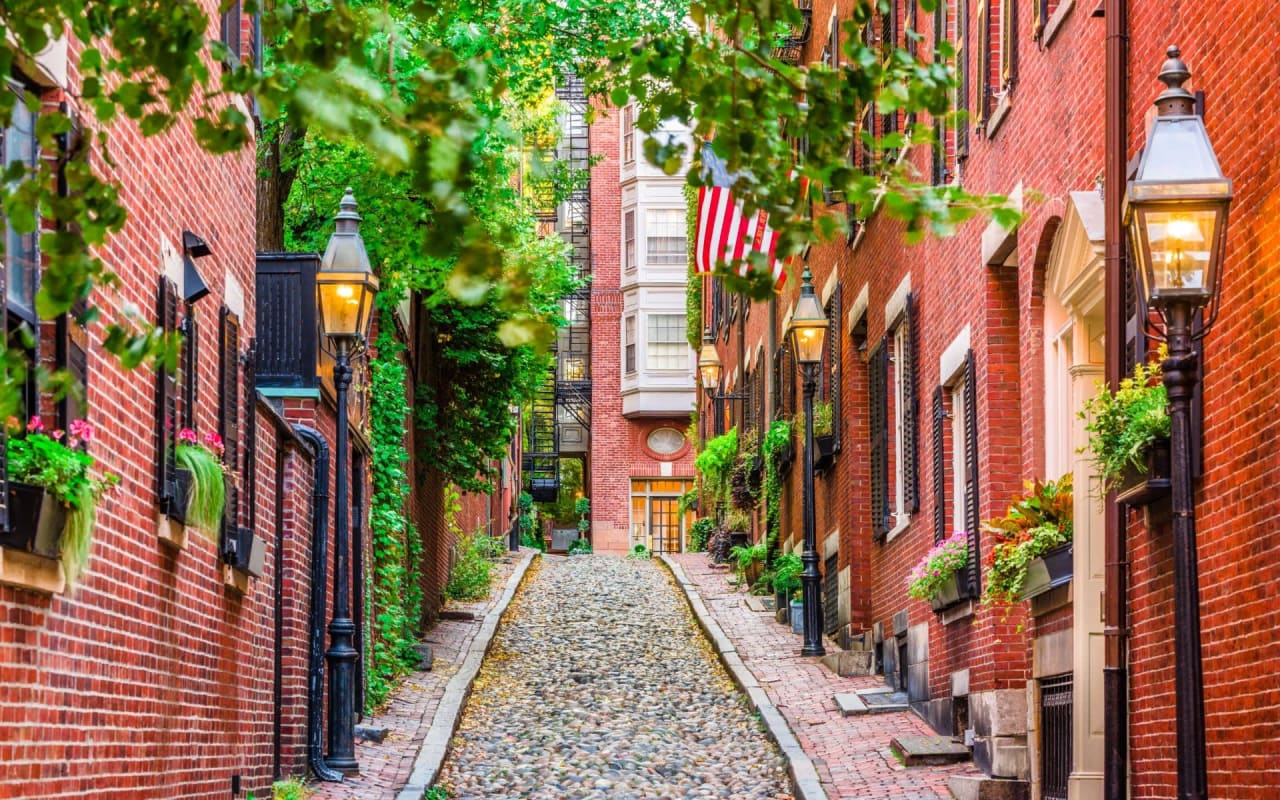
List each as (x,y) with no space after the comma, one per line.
(435,745)
(804,775)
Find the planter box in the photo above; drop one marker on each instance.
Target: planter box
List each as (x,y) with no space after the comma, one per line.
(948,594)
(824,453)
(36,520)
(754,572)
(797,617)
(1144,487)
(184,482)
(1050,571)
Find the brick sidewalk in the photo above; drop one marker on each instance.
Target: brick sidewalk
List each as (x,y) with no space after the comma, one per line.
(384,768)
(851,753)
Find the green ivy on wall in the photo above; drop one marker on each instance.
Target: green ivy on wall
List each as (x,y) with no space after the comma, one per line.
(693,296)
(777,441)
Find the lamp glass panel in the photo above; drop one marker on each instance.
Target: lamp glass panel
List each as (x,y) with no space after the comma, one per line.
(1178,149)
(342,304)
(808,339)
(1181,247)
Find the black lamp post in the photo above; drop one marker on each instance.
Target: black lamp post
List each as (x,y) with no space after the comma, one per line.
(345,286)
(806,333)
(1176,211)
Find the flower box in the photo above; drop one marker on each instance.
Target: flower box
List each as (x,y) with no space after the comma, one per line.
(1142,487)
(1050,571)
(183,482)
(36,521)
(948,594)
(824,452)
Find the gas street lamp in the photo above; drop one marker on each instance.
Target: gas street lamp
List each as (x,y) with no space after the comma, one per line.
(1176,212)
(806,333)
(345,286)
(710,371)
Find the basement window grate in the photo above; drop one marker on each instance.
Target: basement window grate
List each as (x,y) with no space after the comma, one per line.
(1055,735)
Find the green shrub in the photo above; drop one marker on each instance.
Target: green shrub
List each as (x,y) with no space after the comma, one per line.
(699,533)
(744,557)
(491,547)
(534,541)
(579,547)
(639,551)
(1123,425)
(786,573)
(469,578)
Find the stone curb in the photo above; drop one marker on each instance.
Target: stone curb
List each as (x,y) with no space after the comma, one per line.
(435,745)
(804,775)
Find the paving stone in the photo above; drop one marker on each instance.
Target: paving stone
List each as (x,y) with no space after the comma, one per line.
(600,685)
(849,704)
(371,733)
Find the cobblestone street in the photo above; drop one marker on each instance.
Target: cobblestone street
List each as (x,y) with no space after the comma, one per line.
(599,685)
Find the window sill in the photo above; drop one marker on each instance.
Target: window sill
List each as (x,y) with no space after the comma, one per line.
(998,116)
(903,523)
(170,532)
(23,570)
(1054,24)
(235,580)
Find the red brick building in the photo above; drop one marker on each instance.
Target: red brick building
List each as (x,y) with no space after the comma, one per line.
(181,662)
(957,370)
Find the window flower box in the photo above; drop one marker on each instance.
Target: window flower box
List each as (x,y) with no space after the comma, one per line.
(1049,571)
(824,453)
(36,520)
(947,594)
(1142,487)
(937,578)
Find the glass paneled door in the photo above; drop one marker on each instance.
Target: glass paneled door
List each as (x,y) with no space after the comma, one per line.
(656,521)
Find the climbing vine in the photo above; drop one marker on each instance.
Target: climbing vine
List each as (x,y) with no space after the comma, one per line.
(693,295)
(396,595)
(777,442)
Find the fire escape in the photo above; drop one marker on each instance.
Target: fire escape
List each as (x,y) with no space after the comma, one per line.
(564,400)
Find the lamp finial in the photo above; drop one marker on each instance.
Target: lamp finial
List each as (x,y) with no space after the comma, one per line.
(1173,73)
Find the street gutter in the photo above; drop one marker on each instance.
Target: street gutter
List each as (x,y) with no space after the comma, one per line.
(435,745)
(805,783)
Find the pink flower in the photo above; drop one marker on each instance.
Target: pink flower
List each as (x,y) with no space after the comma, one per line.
(35,425)
(214,442)
(81,430)
(58,434)
(187,436)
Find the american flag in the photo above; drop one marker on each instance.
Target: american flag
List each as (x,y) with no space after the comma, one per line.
(724,232)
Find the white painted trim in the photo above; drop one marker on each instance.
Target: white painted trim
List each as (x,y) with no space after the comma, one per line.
(951,362)
(859,308)
(897,305)
(829,288)
(904,522)
(786,319)
(233,295)
(171,263)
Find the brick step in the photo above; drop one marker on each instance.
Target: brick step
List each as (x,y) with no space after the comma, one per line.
(918,751)
(850,663)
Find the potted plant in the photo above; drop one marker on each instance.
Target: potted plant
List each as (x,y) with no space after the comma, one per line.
(797,612)
(744,487)
(748,562)
(738,524)
(202,489)
(699,533)
(53,494)
(786,580)
(582,507)
(1032,551)
(824,451)
(936,577)
(1129,436)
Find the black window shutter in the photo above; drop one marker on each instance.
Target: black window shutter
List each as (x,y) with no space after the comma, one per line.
(963,57)
(190,366)
(231,31)
(788,382)
(834,375)
(167,421)
(939,468)
(250,469)
(4,461)
(879,401)
(229,417)
(971,510)
(910,412)
(776,392)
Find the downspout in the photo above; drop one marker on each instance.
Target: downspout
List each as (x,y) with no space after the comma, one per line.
(319,582)
(1115,630)
(277,681)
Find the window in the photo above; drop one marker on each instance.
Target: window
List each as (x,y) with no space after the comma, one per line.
(22,259)
(666,346)
(831,367)
(230,33)
(889,36)
(628,134)
(629,240)
(656,521)
(959,467)
(665,237)
(961,17)
(997,51)
(629,345)
(895,494)
(944,152)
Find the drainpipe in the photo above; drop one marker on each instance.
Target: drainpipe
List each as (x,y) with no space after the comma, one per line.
(319,564)
(277,680)
(1115,630)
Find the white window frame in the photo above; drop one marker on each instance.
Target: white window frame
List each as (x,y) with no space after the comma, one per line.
(959,464)
(629,359)
(628,134)
(679,342)
(899,510)
(629,240)
(682,256)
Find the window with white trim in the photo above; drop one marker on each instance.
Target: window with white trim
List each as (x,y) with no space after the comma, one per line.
(959,465)
(666,346)
(628,134)
(629,240)
(899,425)
(665,236)
(629,345)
